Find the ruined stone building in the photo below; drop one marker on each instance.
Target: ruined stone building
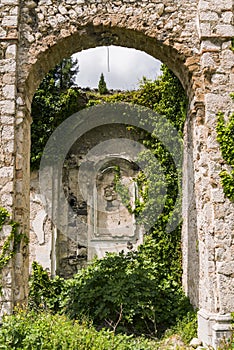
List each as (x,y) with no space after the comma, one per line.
(103,224)
(193,38)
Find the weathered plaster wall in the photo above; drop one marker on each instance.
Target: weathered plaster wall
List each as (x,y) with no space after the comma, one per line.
(41,228)
(65,253)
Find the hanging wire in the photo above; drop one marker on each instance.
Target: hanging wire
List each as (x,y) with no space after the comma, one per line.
(108,59)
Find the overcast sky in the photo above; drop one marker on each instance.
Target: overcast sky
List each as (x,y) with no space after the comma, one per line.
(127,67)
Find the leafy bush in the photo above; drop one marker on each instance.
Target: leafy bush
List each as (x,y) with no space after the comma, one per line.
(134,292)
(139,292)
(186,327)
(228,344)
(35,331)
(44,293)
(225,132)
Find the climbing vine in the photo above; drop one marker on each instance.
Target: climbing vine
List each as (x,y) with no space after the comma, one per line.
(122,190)
(225,136)
(10,245)
(140,291)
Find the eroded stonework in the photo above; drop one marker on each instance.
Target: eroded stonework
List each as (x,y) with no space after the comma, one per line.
(193,39)
(100,222)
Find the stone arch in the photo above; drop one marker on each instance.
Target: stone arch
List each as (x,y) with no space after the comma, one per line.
(92,36)
(194,40)
(50,50)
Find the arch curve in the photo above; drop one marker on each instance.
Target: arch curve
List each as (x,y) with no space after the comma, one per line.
(154,29)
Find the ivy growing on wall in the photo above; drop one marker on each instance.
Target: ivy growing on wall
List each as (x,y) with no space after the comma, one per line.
(122,190)
(9,247)
(225,131)
(225,136)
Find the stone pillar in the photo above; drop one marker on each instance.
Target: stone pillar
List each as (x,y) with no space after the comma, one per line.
(190,252)
(14,129)
(215,213)
(8,56)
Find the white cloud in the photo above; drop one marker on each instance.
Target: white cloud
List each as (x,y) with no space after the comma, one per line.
(127,67)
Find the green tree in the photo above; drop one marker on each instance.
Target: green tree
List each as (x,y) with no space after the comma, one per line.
(102,88)
(53,102)
(65,73)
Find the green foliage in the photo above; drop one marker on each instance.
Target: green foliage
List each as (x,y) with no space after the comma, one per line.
(225,136)
(165,96)
(4,215)
(65,73)
(35,331)
(52,103)
(102,88)
(122,190)
(186,327)
(12,241)
(139,292)
(135,292)
(44,292)
(228,344)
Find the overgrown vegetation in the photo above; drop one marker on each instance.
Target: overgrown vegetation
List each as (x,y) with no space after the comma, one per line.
(132,293)
(30,330)
(45,293)
(228,343)
(139,292)
(54,101)
(120,293)
(225,132)
(122,190)
(13,239)
(185,327)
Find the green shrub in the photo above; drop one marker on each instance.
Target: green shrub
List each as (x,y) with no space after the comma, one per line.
(139,292)
(186,327)
(44,292)
(228,344)
(135,292)
(35,331)
(102,88)
(225,131)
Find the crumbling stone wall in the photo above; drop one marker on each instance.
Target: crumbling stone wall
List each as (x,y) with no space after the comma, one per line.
(65,253)
(193,39)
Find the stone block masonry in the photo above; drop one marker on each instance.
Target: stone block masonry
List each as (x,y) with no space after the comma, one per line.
(193,39)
